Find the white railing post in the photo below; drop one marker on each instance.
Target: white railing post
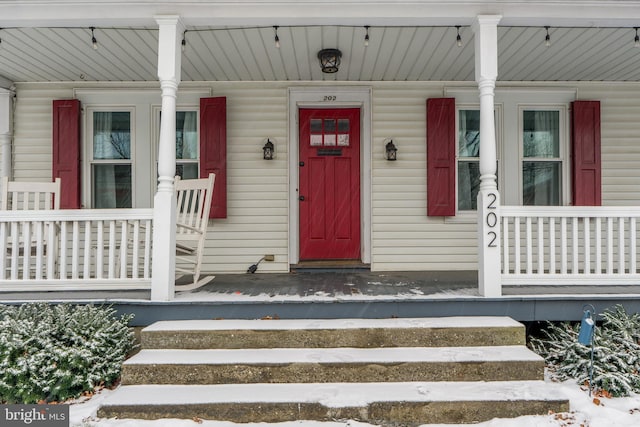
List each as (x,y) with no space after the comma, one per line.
(486,64)
(164,207)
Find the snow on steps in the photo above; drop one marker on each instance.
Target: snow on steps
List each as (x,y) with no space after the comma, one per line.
(311,333)
(278,365)
(410,403)
(391,378)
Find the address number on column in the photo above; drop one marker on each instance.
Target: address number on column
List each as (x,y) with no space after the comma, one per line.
(491,219)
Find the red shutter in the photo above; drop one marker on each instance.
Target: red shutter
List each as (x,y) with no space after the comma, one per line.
(213,150)
(585,134)
(66,151)
(441,157)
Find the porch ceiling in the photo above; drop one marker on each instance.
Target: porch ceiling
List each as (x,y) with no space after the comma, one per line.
(406,53)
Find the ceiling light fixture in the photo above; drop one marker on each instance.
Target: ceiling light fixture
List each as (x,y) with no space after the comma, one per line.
(94,42)
(184,40)
(458,38)
(547,39)
(329,60)
(636,40)
(366,37)
(276,38)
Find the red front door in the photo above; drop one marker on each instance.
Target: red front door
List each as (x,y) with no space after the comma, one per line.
(329,184)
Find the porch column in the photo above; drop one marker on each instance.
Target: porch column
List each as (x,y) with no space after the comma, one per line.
(486,53)
(164,202)
(6,131)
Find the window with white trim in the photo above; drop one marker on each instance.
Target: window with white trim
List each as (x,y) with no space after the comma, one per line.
(542,163)
(111,157)
(532,148)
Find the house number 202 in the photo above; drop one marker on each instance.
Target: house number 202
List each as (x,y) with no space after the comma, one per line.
(329,98)
(491,219)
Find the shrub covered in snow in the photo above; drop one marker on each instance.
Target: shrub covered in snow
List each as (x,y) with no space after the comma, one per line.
(53,353)
(616,360)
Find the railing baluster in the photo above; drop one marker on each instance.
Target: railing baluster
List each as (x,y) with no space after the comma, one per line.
(529,246)
(575,240)
(63,250)
(587,246)
(112,249)
(540,245)
(86,273)
(633,254)
(39,267)
(563,246)
(552,245)
(135,250)
(3,250)
(26,250)
(100,250)
(124,235)
(75,250)
(505,245)
(598,266)
(147,249)
(516,245)
(621,245)
(609,245)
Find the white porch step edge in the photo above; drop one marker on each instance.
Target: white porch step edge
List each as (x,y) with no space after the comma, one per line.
(319,324)
(282,356)
(334,395)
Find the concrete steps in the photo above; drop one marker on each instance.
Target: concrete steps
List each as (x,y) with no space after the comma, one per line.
(402,371)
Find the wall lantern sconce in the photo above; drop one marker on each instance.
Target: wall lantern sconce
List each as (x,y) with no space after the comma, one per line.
(329,60)
(391,151)
(268,150)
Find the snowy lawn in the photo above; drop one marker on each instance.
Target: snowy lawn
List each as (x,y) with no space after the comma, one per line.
(586,412)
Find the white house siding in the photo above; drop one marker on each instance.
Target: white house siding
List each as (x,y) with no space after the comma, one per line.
(403,237)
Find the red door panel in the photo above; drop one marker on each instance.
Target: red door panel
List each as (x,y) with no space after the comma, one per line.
(329,184)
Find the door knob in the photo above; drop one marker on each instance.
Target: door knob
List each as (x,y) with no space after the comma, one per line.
(301,198)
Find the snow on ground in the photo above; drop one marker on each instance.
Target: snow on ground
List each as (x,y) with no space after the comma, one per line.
(617,412)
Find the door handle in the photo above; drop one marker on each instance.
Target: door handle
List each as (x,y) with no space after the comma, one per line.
(301,198)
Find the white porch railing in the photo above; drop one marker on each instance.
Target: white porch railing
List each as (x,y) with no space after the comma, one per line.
(570,245)
(83,249)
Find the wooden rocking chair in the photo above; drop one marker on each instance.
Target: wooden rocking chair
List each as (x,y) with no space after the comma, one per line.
(194,203)
(27,242)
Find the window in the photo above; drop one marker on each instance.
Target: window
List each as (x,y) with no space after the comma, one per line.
(187,144)
(111,160)
(468,157)
(532,143)
(121,129)
(541,158)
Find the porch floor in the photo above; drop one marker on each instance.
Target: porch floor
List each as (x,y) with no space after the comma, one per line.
(351,293)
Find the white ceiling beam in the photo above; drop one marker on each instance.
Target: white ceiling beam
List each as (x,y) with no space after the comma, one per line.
(22,13)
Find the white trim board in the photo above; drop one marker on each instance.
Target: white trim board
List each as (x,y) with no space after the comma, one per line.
(330,97)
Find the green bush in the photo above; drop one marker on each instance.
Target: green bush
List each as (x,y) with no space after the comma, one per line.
(57,352)
(616,363)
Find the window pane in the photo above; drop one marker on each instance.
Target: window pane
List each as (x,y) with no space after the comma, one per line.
(186,135)
(468,185)
(316,125)
(112,186)
(111,135)
(329,126)
(541,183)
(541,133)
(469,133)
(187,170)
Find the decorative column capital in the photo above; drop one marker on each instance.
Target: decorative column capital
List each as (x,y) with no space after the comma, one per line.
(485,28)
